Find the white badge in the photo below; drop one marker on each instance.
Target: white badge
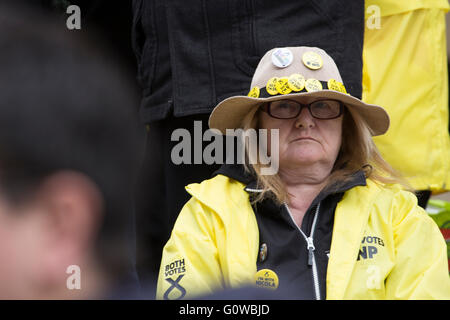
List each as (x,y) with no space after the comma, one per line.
(282,57)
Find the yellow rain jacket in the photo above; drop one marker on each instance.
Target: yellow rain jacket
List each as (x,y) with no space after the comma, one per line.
(405,71)
(214,245)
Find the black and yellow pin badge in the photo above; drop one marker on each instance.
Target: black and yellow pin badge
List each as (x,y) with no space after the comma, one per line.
(312,60)
(336,86)
(282,86)
(271,86)
(254,92)
(296,82)
(312,85)
(266,278)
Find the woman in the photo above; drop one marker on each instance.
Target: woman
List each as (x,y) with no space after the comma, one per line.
(334,222)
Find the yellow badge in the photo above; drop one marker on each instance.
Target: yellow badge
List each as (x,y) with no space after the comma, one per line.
(312,60)
(271,86)
(266,278)
(254,93)
(296,82)
(336,86)
(282,86)
(312,85)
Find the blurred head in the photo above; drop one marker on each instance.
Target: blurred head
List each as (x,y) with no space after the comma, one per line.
(68,154)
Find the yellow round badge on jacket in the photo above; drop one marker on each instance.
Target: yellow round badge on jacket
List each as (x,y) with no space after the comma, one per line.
(282,86)
(271,86)
(312,60)
(312,85)
(266,278)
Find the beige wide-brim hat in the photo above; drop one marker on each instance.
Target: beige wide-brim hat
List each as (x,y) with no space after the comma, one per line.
(305,74)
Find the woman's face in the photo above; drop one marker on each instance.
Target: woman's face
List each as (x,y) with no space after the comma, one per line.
(305,140)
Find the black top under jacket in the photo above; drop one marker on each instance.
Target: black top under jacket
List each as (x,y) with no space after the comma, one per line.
(193,54)
(287,253)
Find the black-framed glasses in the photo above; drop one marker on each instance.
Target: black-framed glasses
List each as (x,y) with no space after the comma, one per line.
(320,109)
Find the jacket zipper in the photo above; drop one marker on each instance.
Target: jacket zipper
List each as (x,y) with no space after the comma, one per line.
(310,243)
(310,246)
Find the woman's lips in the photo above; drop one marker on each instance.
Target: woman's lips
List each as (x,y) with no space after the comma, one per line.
(304,138)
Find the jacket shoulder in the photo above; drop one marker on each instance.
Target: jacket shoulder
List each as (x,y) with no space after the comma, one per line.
(389,199)
(390,192)
(400,208)
(218,192)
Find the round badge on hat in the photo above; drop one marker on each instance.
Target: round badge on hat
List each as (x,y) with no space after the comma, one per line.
(282,86)
(271,86)
(312,85)
(296,82)
(254,93)
(336,86)
(282,57)
(312,60)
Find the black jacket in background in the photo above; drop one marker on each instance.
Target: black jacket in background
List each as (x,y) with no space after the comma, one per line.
(193,54)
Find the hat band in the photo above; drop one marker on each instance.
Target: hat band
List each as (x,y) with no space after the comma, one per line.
(265,94)
(294,84)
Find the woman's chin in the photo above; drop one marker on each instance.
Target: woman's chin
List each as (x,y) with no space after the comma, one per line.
(302,160)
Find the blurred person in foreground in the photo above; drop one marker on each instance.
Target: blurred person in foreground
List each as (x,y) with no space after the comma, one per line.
(68,145)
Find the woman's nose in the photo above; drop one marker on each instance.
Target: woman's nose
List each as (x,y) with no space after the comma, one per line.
(304,119)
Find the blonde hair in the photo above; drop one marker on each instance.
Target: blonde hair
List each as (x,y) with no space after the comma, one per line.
(358,152)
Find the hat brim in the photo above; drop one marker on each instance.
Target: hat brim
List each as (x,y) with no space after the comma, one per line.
(229,113)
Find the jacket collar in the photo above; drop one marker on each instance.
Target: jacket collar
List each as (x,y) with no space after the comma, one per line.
(236,172)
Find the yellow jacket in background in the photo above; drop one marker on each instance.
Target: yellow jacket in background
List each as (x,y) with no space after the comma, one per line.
(215,241)
(405,71)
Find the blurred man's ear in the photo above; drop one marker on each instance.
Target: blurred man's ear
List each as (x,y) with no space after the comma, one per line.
(72,205)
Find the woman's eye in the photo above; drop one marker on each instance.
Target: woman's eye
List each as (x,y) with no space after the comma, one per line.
(321,105)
